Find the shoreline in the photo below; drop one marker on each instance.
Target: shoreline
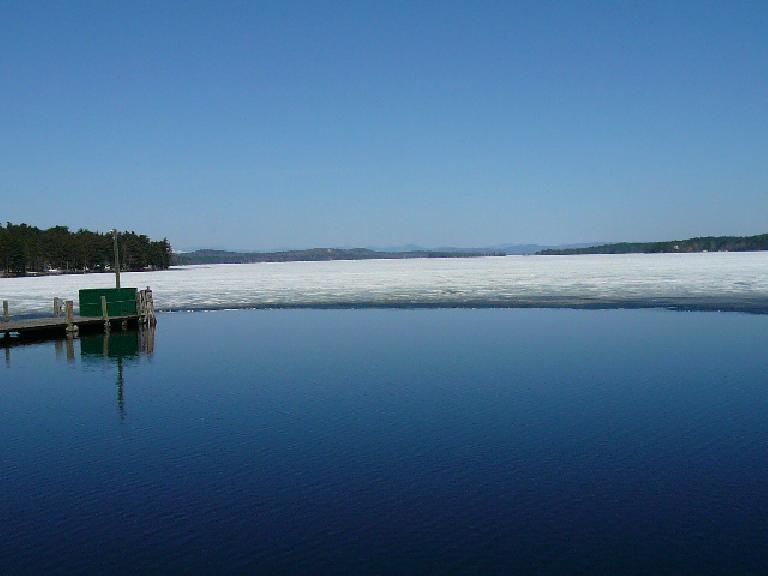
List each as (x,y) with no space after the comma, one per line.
(753,307)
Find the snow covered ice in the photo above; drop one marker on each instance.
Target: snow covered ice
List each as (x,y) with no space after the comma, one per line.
(710,280)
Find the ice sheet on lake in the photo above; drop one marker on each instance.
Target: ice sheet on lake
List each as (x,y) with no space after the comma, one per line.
(714,280)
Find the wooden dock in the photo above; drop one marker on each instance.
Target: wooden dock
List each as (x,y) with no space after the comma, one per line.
(63,322)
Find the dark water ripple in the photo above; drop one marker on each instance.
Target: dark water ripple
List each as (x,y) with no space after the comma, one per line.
(394,442)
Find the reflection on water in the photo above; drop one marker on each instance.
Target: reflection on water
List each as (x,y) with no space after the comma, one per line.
(118,348)
(128,344)
(391,442)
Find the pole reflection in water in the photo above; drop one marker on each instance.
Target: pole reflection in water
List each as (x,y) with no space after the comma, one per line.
(120,348)
(70,349)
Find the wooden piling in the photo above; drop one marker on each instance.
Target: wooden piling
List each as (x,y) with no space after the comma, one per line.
(56,307)
(6,314)
(105,313)
(141,306)
(150,304)
(72,328)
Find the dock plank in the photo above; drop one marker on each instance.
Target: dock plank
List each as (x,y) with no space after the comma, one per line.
(45,324)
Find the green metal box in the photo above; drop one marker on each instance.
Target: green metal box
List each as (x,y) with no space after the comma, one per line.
(120,301)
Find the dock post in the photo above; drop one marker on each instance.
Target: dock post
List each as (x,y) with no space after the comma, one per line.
(72,328)
(6,315)
(56,307)
(105,313)
(143,306)
(151,307)
(147,318)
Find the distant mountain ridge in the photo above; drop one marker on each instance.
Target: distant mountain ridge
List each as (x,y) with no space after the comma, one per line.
(392,251)
(697,244)
(207,256)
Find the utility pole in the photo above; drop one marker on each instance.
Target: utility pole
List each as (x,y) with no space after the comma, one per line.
(117,261)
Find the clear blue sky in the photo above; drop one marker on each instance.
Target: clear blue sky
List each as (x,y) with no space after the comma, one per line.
(260,125)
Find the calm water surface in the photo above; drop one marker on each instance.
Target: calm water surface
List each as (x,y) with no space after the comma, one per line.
(391,442)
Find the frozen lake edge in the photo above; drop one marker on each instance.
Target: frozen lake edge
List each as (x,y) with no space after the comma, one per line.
(736,282)
(746,305)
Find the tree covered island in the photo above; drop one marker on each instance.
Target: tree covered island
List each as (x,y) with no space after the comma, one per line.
(26,249)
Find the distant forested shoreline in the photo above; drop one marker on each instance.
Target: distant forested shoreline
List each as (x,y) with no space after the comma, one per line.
(701,244)
(26,250)
(312,254)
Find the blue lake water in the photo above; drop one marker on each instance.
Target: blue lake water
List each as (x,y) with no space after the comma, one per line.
(391,442)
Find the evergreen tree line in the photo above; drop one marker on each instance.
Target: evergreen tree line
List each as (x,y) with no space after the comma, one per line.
(25,249)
